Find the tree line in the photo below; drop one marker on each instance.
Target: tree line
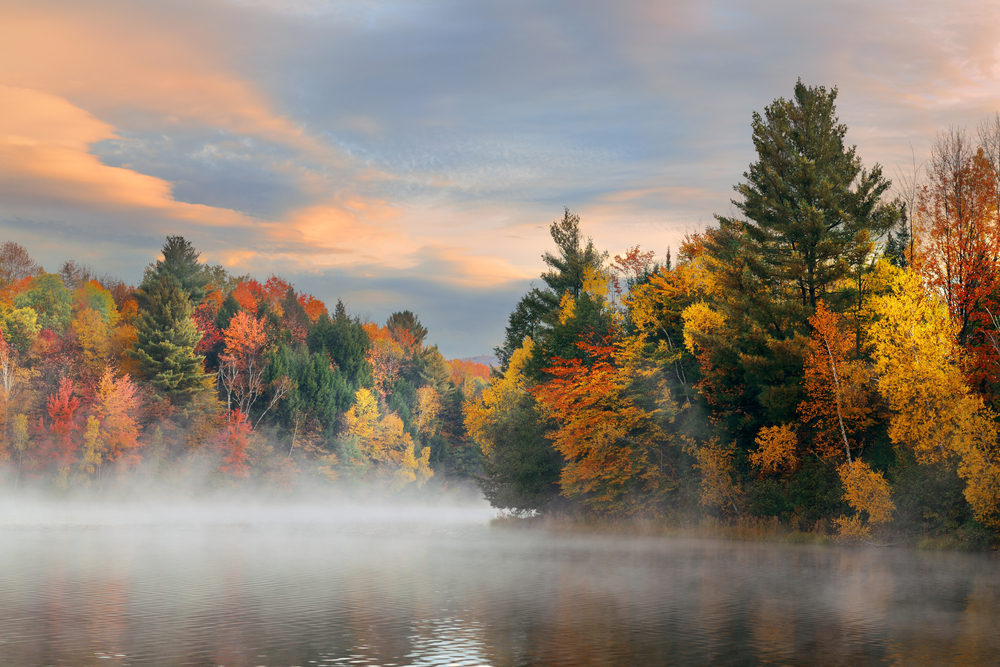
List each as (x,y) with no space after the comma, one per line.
(199,378)
(828,358)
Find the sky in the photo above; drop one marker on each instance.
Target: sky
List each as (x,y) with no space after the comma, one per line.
(411,155)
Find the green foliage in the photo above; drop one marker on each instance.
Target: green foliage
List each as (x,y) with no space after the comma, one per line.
(812,212)
(815,493)
(180,260)
(222,279)
(319,395)
(227,311)
(98,299)
(19,326)
(536,310)
(433,370)
(896,247)
(166,340)
(929,499)
(50,299)
(521,470)
(346,342)
(402,398)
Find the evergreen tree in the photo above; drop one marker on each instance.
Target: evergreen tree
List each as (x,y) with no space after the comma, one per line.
(535,311)
(180,260)
(166,338)
(319,394)
(345,341)
(896,247)
(812,212)
(227,311)
(407,321)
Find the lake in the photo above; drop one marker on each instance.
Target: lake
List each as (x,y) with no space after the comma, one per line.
(333,584)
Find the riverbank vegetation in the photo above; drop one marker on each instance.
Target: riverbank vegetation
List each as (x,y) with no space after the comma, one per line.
(198,381)
(824,363)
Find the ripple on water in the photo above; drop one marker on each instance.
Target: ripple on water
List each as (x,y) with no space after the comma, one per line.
(462,595)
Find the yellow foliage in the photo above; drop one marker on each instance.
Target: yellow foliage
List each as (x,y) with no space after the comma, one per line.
(777,449)
(980,467)
(92,336)
(596,282)
(567,308)
(868,493)
(718,486)
(92,452)
(385,445)
(700,321)
(20,441)
(362,416)
(483,415)
(912,347)
(426,410)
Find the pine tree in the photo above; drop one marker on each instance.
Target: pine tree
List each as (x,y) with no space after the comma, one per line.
(812,212)
(180,260)
(535,311)
(167,336)
(345,341)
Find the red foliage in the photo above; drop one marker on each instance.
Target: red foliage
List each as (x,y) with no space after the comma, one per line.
(204,319)
(275,289)
(58,446)
(233,441)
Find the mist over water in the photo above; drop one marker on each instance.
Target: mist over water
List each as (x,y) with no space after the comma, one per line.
(234,582)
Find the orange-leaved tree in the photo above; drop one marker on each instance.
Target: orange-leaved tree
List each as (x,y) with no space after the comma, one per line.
(117,409)
(614,448)
(232,441)
(838,405)
(242,365)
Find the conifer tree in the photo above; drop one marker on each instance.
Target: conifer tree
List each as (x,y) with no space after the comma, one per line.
(180,260)
(345,341)
(166,338)
(812,211)
(536,309)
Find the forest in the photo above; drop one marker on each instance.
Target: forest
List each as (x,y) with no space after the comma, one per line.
(197,380)
(828,360)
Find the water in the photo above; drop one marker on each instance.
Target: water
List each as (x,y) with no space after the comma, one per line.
(341,586)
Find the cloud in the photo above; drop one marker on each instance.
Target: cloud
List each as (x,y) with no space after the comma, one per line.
(428,145)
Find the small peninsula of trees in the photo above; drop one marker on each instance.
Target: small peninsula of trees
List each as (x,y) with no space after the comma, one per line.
(829,359)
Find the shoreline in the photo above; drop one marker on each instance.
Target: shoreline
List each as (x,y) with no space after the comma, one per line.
(740,530)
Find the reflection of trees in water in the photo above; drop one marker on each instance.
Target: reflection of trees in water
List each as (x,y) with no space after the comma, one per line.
(500,599)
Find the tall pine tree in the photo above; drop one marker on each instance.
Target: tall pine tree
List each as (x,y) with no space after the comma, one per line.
(812,212)
(180,260)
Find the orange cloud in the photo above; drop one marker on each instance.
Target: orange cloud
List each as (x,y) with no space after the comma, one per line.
(44,158)
(118,57)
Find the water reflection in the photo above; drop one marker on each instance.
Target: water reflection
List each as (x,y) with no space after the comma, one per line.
(390,592)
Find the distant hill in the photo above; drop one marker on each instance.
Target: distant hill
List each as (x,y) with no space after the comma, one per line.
(487,359)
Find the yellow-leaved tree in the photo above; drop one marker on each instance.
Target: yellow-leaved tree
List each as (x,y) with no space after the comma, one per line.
(911,341)
(384,450)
